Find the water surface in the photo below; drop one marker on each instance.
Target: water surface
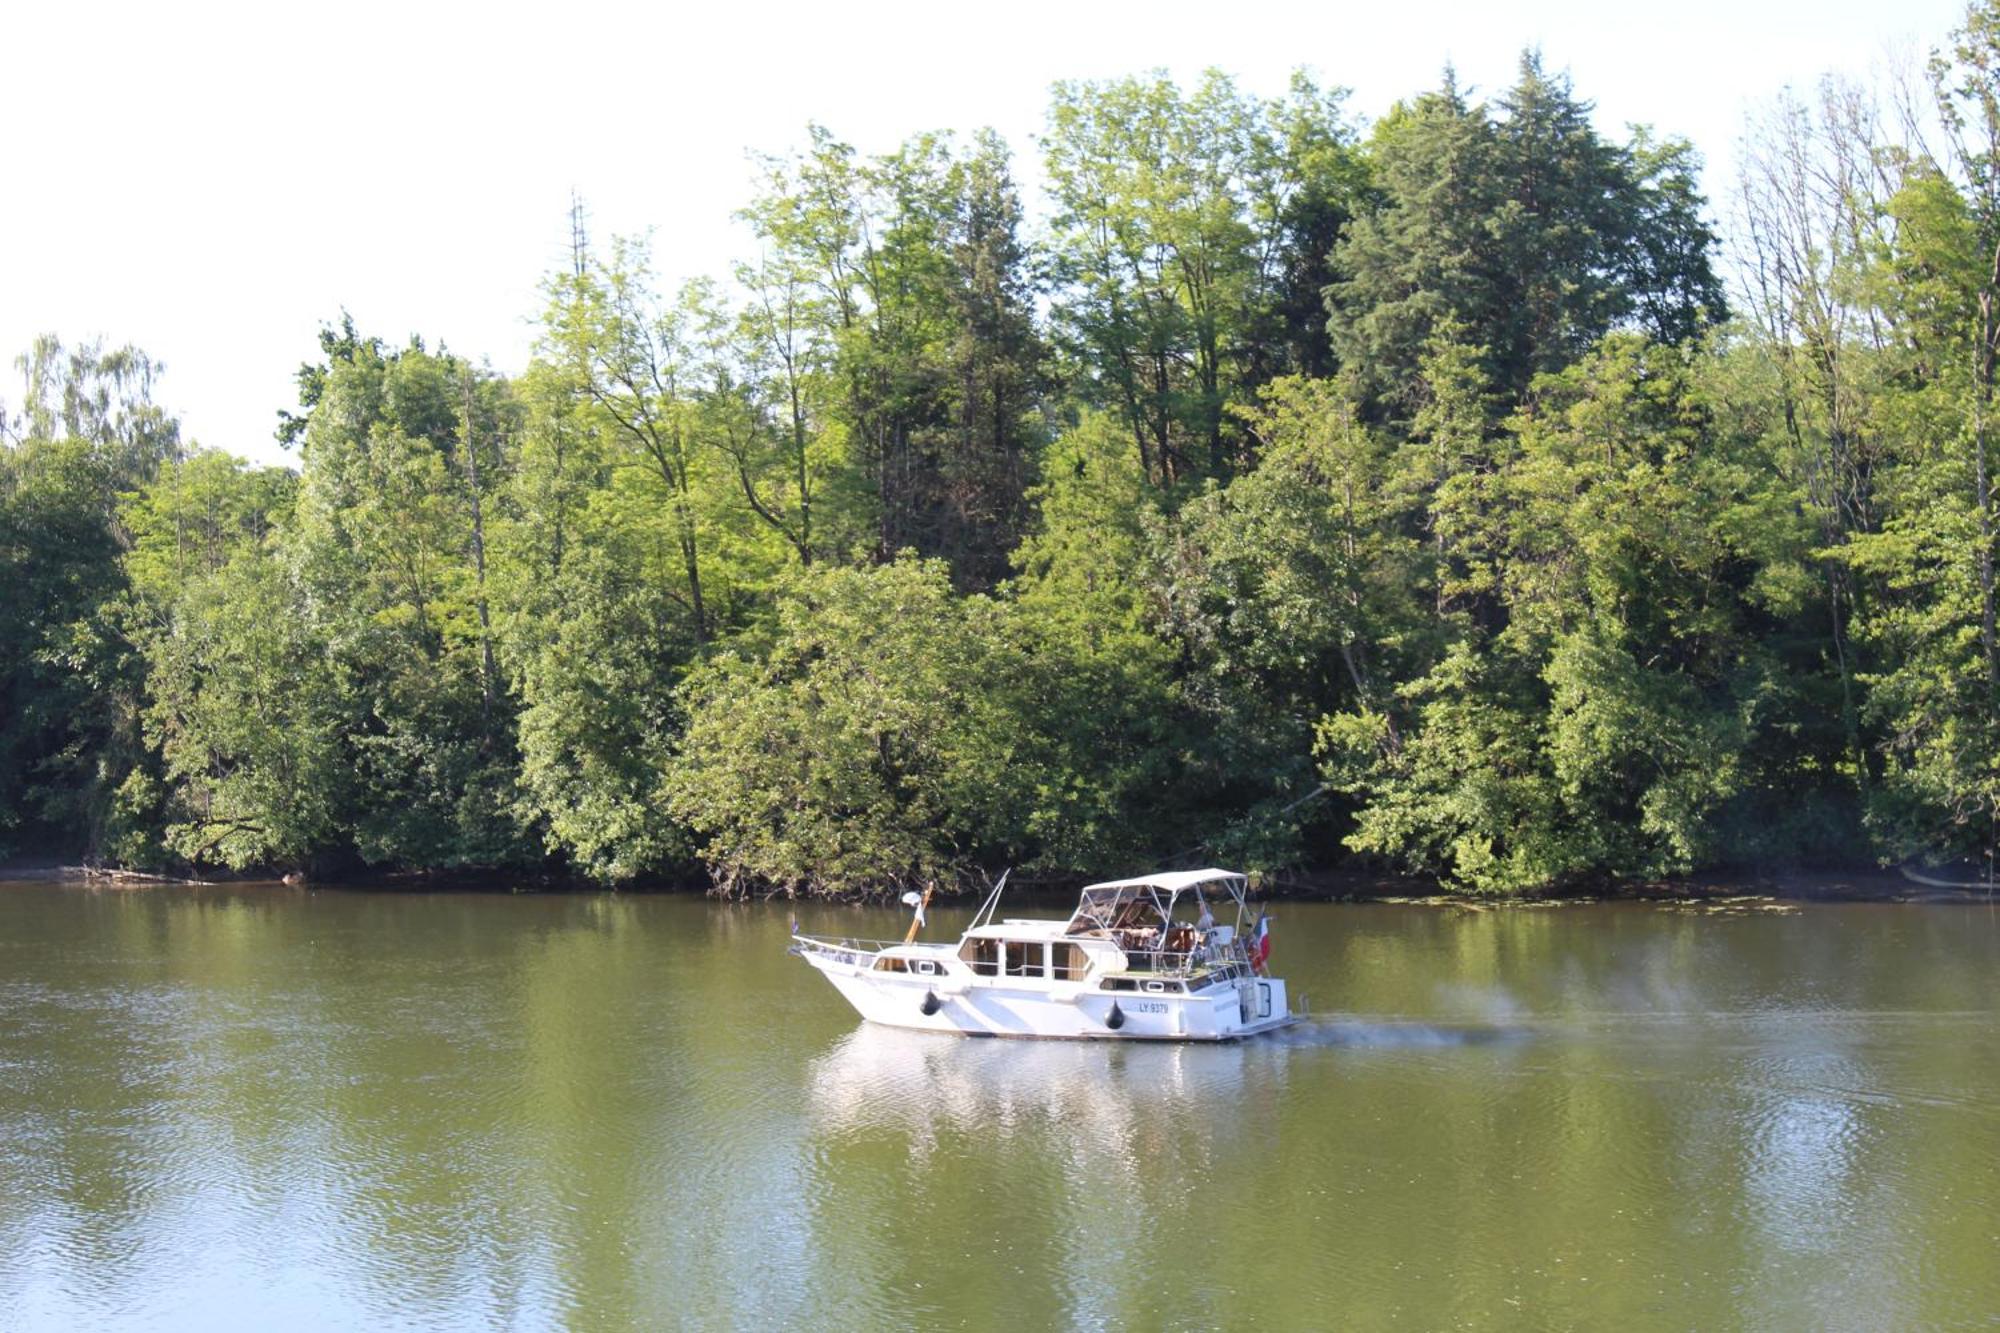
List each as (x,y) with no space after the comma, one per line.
(269,1108)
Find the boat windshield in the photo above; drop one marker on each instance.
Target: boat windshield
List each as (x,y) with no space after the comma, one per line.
(1120,907)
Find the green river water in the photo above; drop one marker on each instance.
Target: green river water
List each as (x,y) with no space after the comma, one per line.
(276,1109)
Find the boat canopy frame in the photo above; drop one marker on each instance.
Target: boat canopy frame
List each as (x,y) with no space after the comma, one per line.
(1149,900)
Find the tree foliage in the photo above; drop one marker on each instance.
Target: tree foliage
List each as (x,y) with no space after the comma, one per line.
(1522,227)
(1294,493)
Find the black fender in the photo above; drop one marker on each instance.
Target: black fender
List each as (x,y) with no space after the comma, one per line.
(1116,1018)
(931,1003)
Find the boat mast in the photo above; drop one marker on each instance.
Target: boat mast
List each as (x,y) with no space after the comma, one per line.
(917,918)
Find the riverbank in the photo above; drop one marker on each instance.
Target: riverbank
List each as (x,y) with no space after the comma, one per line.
(1851,884)
(39,872)
(1856,884)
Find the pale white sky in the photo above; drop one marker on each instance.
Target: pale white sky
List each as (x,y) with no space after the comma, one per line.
(213,182)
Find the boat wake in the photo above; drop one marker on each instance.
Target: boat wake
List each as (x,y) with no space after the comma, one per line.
(1373,1034)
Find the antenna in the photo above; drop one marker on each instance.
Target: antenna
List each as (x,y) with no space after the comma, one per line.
(984,916)
(579,236)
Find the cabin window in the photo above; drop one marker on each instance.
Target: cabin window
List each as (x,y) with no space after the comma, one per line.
(891,965)
(983,955)
(1068,962)
(924,967)
(1027,960)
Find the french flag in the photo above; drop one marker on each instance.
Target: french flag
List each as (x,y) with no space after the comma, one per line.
(1260,943)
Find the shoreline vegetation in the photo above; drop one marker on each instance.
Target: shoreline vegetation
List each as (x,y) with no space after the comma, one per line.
(1443,500)
(1737,894)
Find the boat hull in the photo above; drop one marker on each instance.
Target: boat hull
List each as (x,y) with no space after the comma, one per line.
(993,1008)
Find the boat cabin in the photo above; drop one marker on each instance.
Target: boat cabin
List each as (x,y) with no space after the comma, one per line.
(1024,949)
(1164,925)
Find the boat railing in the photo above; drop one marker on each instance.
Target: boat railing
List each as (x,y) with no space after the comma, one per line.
(846,949)
(1187,964)
(1230,959)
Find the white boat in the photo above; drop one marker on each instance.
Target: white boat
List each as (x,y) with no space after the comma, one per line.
(1139,959)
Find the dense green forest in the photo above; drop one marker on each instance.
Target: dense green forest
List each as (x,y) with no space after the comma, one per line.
(1428,494)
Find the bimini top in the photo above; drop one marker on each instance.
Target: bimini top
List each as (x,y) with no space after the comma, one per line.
(1170,881)
(1144,905)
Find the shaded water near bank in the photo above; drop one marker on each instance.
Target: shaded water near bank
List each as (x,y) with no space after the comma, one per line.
(263,1107)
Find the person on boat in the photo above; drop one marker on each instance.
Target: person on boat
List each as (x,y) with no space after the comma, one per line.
(1131,929)
(1197,946)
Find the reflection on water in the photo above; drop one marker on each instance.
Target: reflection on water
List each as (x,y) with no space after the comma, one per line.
(281,1109)
(1081,1098)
